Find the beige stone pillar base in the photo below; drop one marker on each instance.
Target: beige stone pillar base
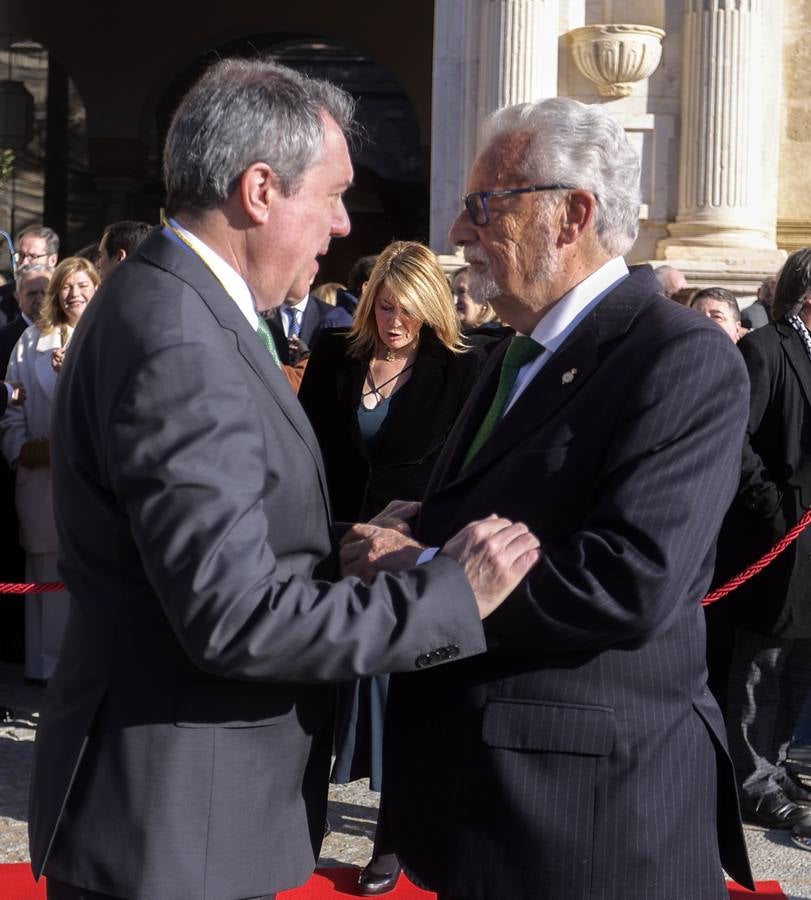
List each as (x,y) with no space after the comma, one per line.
(729,256)
(738,271)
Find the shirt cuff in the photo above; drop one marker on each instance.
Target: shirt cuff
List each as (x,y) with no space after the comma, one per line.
(427,555)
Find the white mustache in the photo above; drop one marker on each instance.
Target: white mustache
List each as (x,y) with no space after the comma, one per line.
(471,256)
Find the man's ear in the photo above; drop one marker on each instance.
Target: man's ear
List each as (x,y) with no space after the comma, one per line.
(258,188)
(120,255)
(578,213)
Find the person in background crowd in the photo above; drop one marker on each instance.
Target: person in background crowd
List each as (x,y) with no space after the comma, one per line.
(302,319)
(192,510)
(670,279)
(31,285)
(477,318)
(119,241)
(25,444)
(35,244)
(582,755)
(382,398)
(759,313)
(473,313)
(359,274)
(684,295)
(720,306)
(770,670)
(328,292)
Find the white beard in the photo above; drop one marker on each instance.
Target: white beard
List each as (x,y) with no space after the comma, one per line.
(481,283)
(545,265)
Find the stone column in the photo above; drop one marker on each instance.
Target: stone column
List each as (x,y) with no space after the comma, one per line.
(487,54)
(453,126)
(727,174)
(519,52)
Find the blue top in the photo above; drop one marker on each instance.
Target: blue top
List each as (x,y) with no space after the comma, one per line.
(371,421)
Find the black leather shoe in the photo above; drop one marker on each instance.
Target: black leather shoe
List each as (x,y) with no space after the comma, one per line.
(800,753)
(372,883)
(795,790)
(775,810)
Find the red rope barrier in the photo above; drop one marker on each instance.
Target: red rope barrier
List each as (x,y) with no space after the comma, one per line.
(717,594)
(761,564)
(44,588)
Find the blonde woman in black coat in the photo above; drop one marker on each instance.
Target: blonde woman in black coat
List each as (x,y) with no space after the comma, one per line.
(382,397)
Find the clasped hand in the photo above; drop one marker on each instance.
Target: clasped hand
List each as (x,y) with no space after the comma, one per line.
(58,359)
(494,553)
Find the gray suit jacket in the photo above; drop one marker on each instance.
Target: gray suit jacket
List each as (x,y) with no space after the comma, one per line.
(184,748)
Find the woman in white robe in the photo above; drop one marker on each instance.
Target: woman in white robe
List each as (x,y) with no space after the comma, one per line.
(35,362)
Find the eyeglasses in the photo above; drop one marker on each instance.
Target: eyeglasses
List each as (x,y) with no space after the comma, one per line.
(30,257)
(476,202)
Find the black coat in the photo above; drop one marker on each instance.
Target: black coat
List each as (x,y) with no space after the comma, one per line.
(362,483)
(775,488)
(548,765)
(9,310)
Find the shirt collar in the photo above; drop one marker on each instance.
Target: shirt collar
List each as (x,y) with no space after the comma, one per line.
(576,304)
(300,306)
(234,284)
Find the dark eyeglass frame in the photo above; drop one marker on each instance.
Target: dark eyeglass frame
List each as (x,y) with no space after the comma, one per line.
(481,197)
(31,257)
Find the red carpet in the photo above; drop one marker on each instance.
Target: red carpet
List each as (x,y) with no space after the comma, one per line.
(16,883)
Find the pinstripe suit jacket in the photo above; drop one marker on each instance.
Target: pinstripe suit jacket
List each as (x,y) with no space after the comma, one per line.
(582,757)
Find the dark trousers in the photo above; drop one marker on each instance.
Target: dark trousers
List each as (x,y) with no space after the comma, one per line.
(58,890)
(769,683)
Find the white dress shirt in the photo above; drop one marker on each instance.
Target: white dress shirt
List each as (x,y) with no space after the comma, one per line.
(287,308)
(233,283)
(565,316)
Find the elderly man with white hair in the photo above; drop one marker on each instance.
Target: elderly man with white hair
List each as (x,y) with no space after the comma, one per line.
(582,756)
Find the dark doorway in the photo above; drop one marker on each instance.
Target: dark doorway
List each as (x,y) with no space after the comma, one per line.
(390,197)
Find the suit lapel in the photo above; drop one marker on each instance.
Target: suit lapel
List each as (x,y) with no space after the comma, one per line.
(447,469)
(559,381)
(794,348)
(174,257)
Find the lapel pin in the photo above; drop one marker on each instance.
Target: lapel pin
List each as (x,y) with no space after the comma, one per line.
(568,377)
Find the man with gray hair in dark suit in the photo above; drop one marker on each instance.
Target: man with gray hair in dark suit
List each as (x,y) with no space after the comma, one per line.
(184,748)
(582,756)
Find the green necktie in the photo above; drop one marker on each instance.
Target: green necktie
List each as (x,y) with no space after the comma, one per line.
(521,351)
(267,339)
